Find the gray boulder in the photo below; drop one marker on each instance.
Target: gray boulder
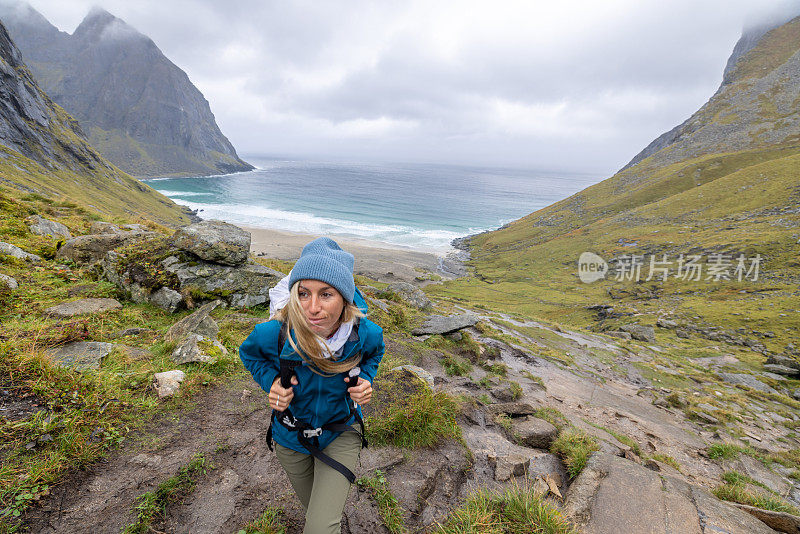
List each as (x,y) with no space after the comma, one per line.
(784,360)
(410,294)
(663,322)
(192,350)
(780,521)
(781,370)
(8,282)
(613,494)
(243,287)
(640,332)
(80,355)
(87,249)
(16,252)
(215,241)
(167,383)
(166,299)
(534,432)
(440,324)
(102,227)
(199,322)
(504,392)
(82,306)
(40,226)
(741,379)
(619,334)
(682,333)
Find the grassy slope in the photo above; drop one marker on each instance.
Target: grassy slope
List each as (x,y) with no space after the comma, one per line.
(744,201)
(143,159)
(109,193)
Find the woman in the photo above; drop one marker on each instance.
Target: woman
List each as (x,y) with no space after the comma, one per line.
(305,357)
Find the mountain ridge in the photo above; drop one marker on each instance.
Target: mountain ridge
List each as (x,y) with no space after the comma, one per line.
(745,46)
(44,151)
(138,108)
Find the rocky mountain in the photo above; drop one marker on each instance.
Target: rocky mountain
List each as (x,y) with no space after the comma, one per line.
(44,151)
(138,108)
(742,113)
(720,187)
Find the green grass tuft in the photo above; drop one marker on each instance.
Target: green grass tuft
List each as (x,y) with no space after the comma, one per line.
(735,489)
(267,523)
(455,365)
(574,446)
(410,422)
(515,511)
(388,507)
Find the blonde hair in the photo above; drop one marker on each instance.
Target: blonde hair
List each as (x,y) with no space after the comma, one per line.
(308,342)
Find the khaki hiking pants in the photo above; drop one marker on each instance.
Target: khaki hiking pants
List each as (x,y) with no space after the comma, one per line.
(321,489)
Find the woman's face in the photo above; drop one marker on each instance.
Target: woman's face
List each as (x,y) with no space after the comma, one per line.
(322,305)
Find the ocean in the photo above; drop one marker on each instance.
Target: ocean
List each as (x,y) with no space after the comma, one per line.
(420,206)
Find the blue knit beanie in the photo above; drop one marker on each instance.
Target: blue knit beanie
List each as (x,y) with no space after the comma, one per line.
(324,260)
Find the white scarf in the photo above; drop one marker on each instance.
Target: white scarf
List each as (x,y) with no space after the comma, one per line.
(279,297)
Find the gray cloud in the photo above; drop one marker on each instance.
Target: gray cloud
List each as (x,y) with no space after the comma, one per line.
(578,85)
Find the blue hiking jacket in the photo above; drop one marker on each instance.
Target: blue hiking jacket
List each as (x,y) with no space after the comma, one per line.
(317,399)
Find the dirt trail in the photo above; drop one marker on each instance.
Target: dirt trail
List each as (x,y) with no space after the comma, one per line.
(223,424)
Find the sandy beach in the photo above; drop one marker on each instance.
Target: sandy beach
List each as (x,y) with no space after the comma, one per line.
(379,261)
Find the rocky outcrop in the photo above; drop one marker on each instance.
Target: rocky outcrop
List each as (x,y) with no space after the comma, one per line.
(780,521)
(199,322)
(80,355)
(8,282)
(440,324)
(167,383)
(613,494)
(91,248)
(40,226)
(143,112)
(167,299)
(195,337)
(16,252)
(750,381)
(82,307)
(411,295)
(214,241)
(195,348)
(533,432)
(241,283)
(640,332)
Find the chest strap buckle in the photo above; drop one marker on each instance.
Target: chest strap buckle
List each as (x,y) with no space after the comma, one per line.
(312,433)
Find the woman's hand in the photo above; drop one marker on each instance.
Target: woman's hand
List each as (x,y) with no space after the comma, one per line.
(362,392)
(280,397)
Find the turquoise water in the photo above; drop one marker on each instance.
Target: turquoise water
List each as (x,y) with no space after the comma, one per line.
(414,205)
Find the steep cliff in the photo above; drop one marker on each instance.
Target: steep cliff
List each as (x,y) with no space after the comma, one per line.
(44,151)
(748,108)
(138,108)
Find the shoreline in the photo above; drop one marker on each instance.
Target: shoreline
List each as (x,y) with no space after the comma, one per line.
(377,260)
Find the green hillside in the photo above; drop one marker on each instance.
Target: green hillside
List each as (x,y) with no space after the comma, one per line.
(691,197)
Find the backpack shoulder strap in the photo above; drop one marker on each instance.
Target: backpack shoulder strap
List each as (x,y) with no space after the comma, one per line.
(282,336)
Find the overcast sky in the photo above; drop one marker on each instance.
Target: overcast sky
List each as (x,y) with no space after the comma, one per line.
(569,85)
